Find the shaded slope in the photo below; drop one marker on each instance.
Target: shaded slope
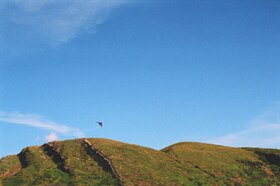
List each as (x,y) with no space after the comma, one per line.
(272,158)
(107,162)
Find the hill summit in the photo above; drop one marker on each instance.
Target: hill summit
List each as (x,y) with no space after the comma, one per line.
(95,161)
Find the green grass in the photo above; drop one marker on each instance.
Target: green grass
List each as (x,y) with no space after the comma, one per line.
(178,164)
(86,171)
(226,166)
(140,165)
(8,163)
(41,170)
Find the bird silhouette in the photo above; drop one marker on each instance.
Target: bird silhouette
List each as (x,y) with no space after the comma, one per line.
(100,123)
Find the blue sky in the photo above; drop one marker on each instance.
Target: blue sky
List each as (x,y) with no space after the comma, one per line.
(155,72)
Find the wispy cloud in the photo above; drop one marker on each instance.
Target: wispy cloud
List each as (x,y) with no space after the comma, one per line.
(263,131)
(57,21)
(39,122)
(51,137)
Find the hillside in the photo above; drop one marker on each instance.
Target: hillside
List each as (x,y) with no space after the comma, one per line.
(107,162)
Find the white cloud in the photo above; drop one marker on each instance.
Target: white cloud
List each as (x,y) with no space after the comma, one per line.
(39,122)
(51,137)
(263,131)
(56,21)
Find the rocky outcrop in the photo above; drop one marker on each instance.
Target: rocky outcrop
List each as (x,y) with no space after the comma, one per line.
(23,157)
(57,157)
(102,160)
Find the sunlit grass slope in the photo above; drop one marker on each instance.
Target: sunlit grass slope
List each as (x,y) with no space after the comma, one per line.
(138,165)
(106,162)
(226,165)
(74,167)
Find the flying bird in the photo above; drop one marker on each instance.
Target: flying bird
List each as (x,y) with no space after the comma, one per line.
(100,123)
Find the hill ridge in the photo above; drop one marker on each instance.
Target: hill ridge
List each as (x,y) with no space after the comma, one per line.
(100,161)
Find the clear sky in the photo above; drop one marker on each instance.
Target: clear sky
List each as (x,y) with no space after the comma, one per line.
(155,72)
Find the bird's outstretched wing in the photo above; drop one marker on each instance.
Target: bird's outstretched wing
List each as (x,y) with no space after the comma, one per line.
(100,123)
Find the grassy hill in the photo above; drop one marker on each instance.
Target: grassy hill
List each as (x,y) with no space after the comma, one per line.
(107,162)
